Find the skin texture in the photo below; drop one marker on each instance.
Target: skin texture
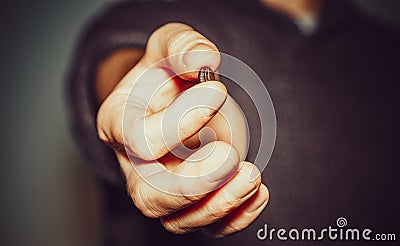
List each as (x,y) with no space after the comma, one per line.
(229,200)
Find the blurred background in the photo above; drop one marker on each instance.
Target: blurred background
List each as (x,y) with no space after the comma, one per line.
(48,195)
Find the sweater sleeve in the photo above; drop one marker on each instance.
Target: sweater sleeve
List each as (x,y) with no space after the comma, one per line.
(110,30)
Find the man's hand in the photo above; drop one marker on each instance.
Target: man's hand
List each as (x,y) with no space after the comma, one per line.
(216,193)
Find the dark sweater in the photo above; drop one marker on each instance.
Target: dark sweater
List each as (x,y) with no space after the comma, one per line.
(335,97)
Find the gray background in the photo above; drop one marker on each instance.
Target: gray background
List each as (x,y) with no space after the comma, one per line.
(49,197)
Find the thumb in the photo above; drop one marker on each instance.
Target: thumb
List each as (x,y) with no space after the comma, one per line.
(181,49)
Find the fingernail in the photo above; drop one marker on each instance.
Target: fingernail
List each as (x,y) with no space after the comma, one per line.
(200,55)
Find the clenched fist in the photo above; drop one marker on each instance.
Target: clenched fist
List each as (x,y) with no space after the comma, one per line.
(181,144)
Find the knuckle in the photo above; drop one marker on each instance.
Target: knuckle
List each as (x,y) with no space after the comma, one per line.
(224,206)
(212,213)
(173,226)
(168,226)
(149,213)
(188,193)
(141,200)
(228,202)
